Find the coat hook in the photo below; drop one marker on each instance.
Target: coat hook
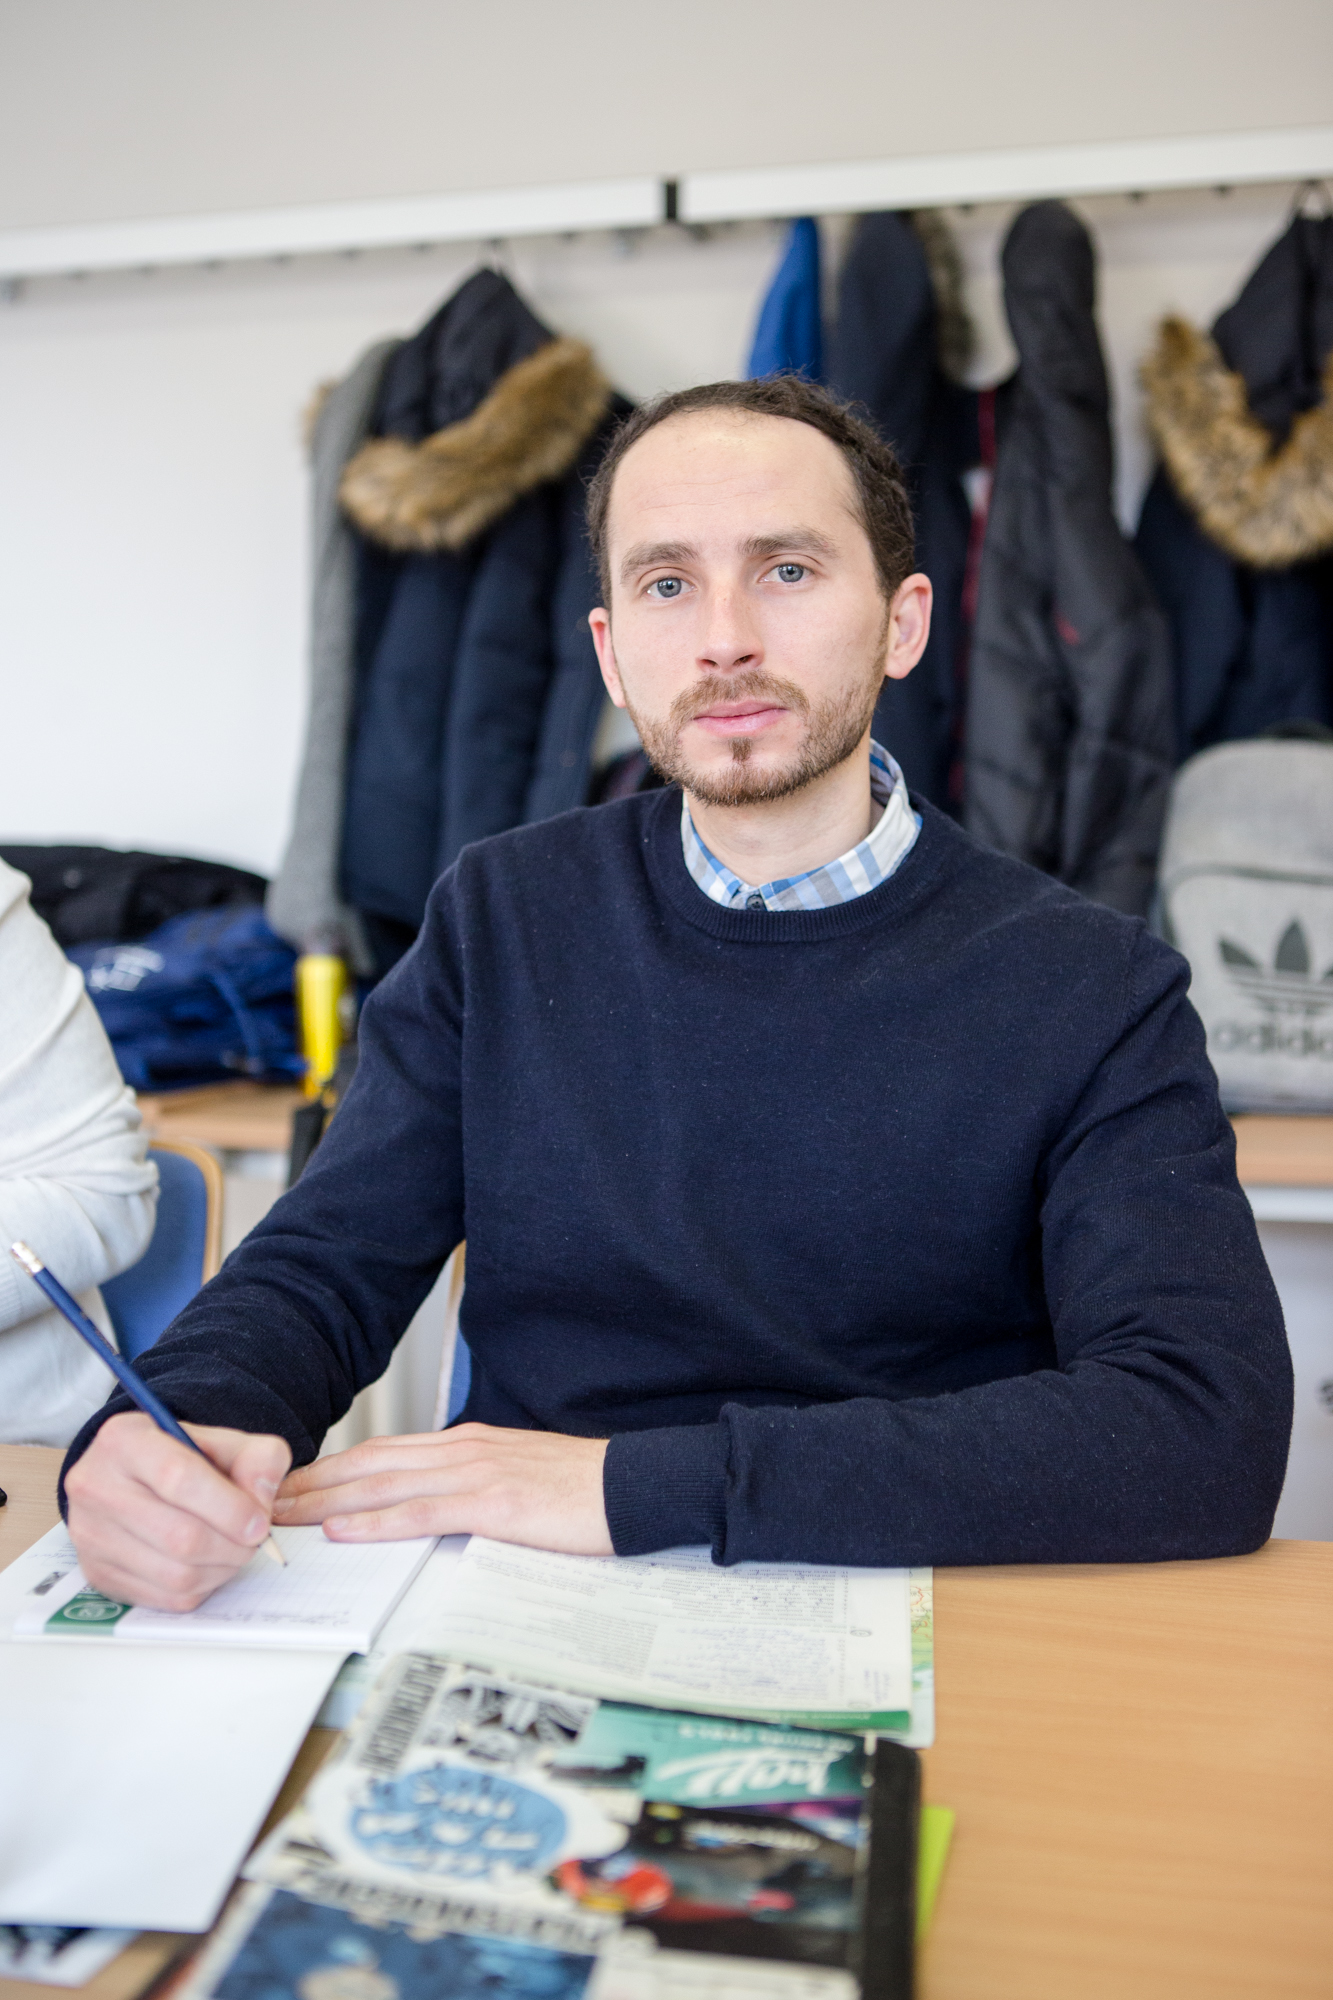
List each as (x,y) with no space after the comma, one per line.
(1313,191)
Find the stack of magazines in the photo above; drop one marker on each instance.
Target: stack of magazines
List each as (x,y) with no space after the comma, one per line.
(478,1835)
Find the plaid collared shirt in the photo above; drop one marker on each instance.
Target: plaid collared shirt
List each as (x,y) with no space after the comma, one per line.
(863,867)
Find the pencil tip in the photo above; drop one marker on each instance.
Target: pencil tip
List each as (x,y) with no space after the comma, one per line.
(29,1259)
(270,1547)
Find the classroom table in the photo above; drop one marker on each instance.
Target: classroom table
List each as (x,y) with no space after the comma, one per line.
(235,1119)
(1140,1758)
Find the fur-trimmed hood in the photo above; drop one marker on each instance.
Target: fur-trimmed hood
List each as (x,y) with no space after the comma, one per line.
(955,335)
(1268,508)
(446,490)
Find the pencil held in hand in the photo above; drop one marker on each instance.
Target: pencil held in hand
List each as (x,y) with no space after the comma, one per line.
(138,1391)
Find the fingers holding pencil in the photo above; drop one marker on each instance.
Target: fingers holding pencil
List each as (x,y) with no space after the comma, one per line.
(228,1457)
(159,1524)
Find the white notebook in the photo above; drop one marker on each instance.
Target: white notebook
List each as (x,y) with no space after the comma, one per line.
(332,1597)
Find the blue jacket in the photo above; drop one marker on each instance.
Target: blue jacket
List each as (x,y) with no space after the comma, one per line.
(1253,644)
(883,353)
(478,692)
(789,338)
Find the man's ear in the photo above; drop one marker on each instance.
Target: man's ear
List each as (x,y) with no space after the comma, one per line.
(599,624)
(909,626)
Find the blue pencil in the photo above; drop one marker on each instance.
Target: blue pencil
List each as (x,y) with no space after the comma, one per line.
(119,1366)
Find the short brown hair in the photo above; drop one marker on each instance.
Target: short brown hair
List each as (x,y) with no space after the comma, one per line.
(881,490)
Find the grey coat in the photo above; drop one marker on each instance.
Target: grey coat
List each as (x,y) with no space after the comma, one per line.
(303,903)
(1069,746)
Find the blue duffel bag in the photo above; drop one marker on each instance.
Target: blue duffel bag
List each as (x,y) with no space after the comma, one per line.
(204,997)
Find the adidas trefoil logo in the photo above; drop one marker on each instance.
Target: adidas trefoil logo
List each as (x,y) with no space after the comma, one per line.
(1290,988)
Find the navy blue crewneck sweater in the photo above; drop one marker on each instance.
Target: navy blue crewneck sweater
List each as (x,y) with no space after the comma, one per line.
(905,1231)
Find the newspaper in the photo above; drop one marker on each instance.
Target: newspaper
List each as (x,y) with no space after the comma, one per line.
(827,1645)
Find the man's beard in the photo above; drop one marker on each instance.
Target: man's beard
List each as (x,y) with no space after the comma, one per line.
(835,726)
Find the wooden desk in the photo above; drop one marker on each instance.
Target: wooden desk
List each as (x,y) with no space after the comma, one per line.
(1284,1152)
(238,1117)
(1141,1760)
(28,1473)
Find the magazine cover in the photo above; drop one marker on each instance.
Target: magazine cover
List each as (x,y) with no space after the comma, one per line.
(635,1853)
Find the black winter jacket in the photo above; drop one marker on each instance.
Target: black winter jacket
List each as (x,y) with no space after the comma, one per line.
(1253,638)
(1069,735)
(883,353)
(478,692)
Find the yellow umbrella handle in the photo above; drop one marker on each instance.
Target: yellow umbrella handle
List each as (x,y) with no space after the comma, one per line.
(321,982)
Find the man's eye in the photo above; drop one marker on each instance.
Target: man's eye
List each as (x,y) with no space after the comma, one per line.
(666,586)
(789,572)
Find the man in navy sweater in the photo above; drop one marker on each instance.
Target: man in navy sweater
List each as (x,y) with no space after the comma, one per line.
(834,1189)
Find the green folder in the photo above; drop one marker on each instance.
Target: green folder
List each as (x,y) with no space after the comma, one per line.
(934,1832)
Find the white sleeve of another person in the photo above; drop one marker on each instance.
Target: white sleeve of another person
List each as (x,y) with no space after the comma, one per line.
(75,1179)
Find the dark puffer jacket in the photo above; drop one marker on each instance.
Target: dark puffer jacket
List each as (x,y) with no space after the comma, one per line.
(1069,736)
(896,315)
(478,691)
(1237,525)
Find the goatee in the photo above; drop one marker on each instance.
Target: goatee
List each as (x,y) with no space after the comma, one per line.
(835,726)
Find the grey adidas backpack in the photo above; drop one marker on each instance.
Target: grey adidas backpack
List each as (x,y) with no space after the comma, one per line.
(1245,887)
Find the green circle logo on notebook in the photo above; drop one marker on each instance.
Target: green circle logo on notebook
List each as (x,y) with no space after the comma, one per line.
(87,1607)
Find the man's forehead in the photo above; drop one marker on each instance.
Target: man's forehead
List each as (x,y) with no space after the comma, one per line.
(723,460)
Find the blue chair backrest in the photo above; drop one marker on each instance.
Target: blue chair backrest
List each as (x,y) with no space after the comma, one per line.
(460,1379)
(144,1300)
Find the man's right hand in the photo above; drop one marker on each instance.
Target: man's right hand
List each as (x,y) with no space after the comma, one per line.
(156,1524)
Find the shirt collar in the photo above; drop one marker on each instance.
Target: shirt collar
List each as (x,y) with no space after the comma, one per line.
(862,868)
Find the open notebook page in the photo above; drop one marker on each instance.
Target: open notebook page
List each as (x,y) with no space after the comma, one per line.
(804,1642)
(332,1597)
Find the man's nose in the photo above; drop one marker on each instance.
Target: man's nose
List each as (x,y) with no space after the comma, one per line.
(730,638)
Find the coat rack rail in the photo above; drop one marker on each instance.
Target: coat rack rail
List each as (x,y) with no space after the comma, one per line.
(918,181)
(1015,173)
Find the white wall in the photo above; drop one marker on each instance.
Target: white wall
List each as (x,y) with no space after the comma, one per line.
(1300,1257)
(152,508)
(152,487)
(122,108)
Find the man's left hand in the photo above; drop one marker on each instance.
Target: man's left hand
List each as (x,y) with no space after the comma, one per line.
(534,1487)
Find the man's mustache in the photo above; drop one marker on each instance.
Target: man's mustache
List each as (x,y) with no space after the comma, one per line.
(752,685)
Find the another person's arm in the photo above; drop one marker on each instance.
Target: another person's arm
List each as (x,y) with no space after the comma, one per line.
(75,1179)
